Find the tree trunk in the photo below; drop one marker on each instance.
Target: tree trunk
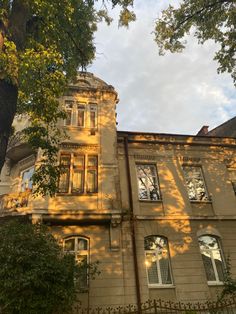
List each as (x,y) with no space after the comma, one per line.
(8,103)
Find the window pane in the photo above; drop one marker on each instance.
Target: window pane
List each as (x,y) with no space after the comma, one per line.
(219,264)
(155,242)
(93,116)
(79,161)
(68,109)
(80,115)
(208,242)
(195,183)
(92,161)
(64,180)
(69,245)
(82,244)
(91,181)
(78,181)
(26,182)
(163,260)
(147,182)
(210,274)
(151,268)
(65,160)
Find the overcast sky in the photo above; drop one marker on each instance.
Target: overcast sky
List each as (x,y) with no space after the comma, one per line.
(175,93)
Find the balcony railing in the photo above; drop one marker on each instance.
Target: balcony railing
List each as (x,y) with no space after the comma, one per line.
(14,201)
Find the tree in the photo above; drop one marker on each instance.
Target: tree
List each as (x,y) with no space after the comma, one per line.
(35,276)
(42,44)
(208,19)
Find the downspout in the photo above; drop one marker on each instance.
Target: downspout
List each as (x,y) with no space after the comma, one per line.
(132,226)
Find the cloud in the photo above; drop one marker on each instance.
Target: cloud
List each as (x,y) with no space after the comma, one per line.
(175,93)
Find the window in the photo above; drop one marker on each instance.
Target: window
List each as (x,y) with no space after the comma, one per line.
(80,115)
(148,187)
(78,174)
(26,182)
(79,247)
(212,258)
(232,177)
(195,183)
(157,261)
(93,116)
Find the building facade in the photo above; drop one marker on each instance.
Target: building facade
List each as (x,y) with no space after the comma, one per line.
(158,211)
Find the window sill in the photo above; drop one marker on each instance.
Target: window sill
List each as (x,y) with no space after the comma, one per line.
(151,201)
(215,283)
(161,286)
(200,202)
(77,194)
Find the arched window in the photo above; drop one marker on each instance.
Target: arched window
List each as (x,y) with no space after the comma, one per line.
(212,258)
(79,247)
(157,260)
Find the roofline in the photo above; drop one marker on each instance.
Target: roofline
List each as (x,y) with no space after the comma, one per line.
(218,126)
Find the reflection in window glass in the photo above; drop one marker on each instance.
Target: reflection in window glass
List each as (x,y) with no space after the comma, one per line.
(157,260)
(147,182)
(195,183)
(26,180)
(212,258)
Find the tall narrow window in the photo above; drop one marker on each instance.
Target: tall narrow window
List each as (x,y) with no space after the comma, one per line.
(92,174)
(79,247)
(68,109)
(212,258)
(93,116)
(232,177)
(195,183)
(64,180)
(78,174)
(148,186)
(80,115)
(157,260)
(26,179)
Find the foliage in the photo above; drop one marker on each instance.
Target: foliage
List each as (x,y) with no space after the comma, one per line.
(208,19)
(229,288)
(35,276)
(42,44)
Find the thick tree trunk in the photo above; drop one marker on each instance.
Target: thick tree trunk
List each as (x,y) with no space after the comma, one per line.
(8,102)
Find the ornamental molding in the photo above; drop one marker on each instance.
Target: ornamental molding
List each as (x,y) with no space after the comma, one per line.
(190,160)
(81,147)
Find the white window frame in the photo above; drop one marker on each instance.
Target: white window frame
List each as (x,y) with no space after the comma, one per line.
(148,199)
(80,252)
(86,169)
(207,197)
(210,252)
(155,252)
(93,108)
(79,107)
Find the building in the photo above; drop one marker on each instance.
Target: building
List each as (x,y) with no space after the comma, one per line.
(158,211)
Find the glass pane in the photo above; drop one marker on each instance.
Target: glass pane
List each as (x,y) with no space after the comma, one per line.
(151,268)
(164,267)
(80,118)
(82,244)
(83,273)
(147,182)
(195,183)
(79,161)
(69,245)
(92,161)
(206,257)
(91,181)
(64,180)
(65,160)
(68,117)
(92,119)
(219,264)
(78,181)
(208,242)
(26,182)
(155,242)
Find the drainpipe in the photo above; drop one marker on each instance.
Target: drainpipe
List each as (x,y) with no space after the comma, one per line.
(132,226)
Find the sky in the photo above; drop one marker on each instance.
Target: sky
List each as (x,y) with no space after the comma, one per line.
(175,93)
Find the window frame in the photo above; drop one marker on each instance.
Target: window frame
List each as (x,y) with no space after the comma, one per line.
(85,169)
(78,252)
(91,106)
(160,284)
(214,267)
(21,179)
(207,195)
(159,198)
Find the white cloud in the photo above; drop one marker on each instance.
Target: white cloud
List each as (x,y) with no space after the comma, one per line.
(177,93)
